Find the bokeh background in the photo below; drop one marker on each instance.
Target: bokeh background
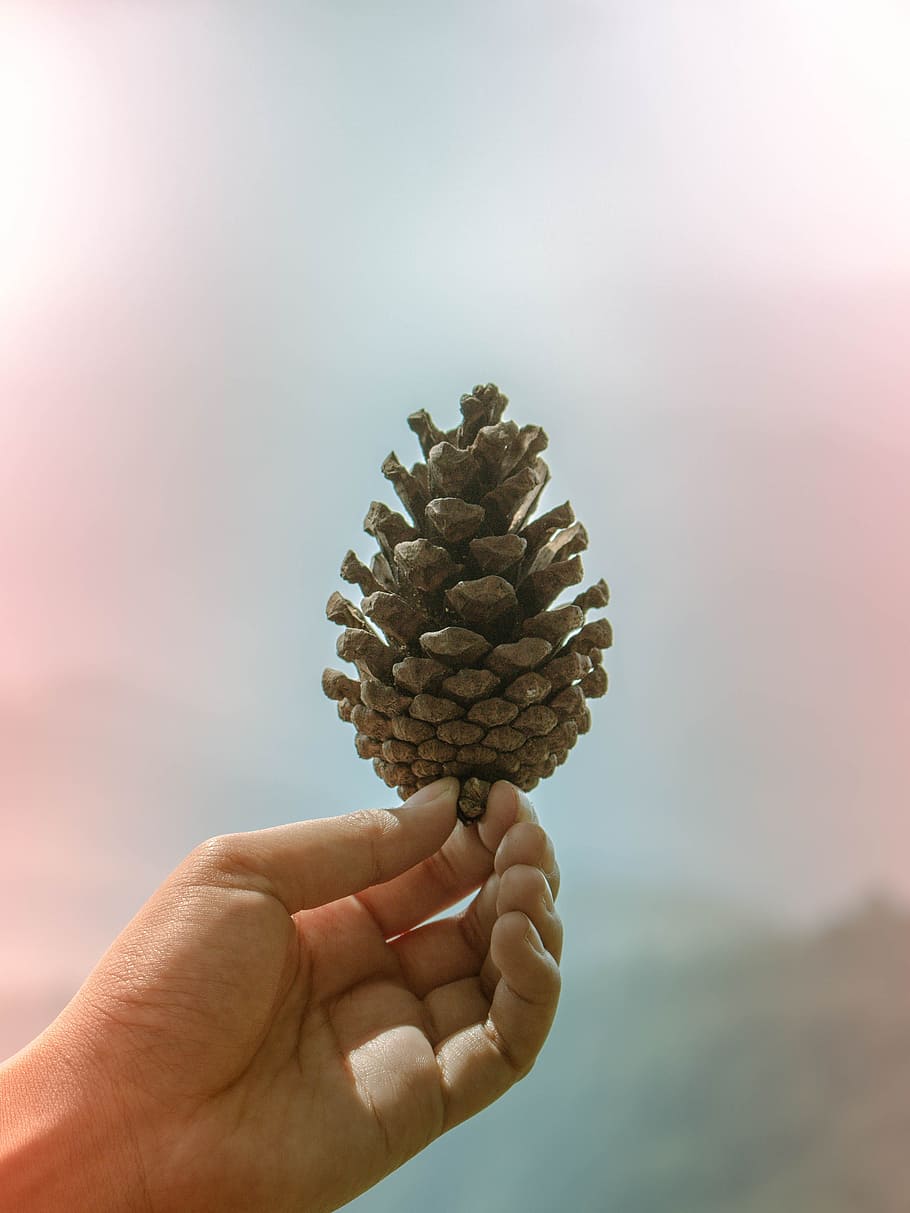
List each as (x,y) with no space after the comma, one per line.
(238,244)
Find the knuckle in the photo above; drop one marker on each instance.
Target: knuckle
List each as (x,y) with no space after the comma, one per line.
(361,819)
(536,843)
(373,827)
(443,870)
(220,853)
(472,932)
(518,1067)
(228,860)
(545,989)
(525,884)
(535,833)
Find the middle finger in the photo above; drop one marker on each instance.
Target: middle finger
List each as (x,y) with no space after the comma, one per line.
(460,865)
(449,949)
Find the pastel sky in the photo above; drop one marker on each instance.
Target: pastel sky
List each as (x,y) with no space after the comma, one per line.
(239,243)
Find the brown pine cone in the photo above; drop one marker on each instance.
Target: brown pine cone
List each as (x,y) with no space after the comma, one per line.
(464,665)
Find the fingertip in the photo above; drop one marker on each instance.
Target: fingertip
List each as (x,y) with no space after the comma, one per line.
(524,842)
(514,928)
(441,790)
(509,930)
(515,802)
(518,951)
(526,810)
(430,812)
(499,814)
(532,937)
(506,804)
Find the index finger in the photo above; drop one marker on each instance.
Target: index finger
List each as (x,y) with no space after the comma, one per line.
(461,865)
(310,863)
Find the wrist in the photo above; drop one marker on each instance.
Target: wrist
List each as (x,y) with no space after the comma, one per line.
(62,1146)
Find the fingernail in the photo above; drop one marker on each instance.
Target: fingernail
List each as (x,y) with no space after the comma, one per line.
(534,939)
(525,808)
(442,788)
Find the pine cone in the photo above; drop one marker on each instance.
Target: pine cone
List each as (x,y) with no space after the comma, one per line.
(464,666)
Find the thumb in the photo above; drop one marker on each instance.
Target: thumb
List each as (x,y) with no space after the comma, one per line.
(310,863)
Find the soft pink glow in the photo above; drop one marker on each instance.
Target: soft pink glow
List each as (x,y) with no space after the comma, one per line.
(230,241)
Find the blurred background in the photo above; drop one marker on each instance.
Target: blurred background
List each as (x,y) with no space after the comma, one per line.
(238,244)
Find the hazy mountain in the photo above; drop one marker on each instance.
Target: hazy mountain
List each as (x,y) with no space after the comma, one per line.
(758,1078)
(764,1073)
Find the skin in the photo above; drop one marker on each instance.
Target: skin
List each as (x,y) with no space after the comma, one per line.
(280,1026)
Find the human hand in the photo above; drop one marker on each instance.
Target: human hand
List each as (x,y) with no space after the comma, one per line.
(280,1026)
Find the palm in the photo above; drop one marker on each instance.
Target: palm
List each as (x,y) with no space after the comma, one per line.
(297,1044)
